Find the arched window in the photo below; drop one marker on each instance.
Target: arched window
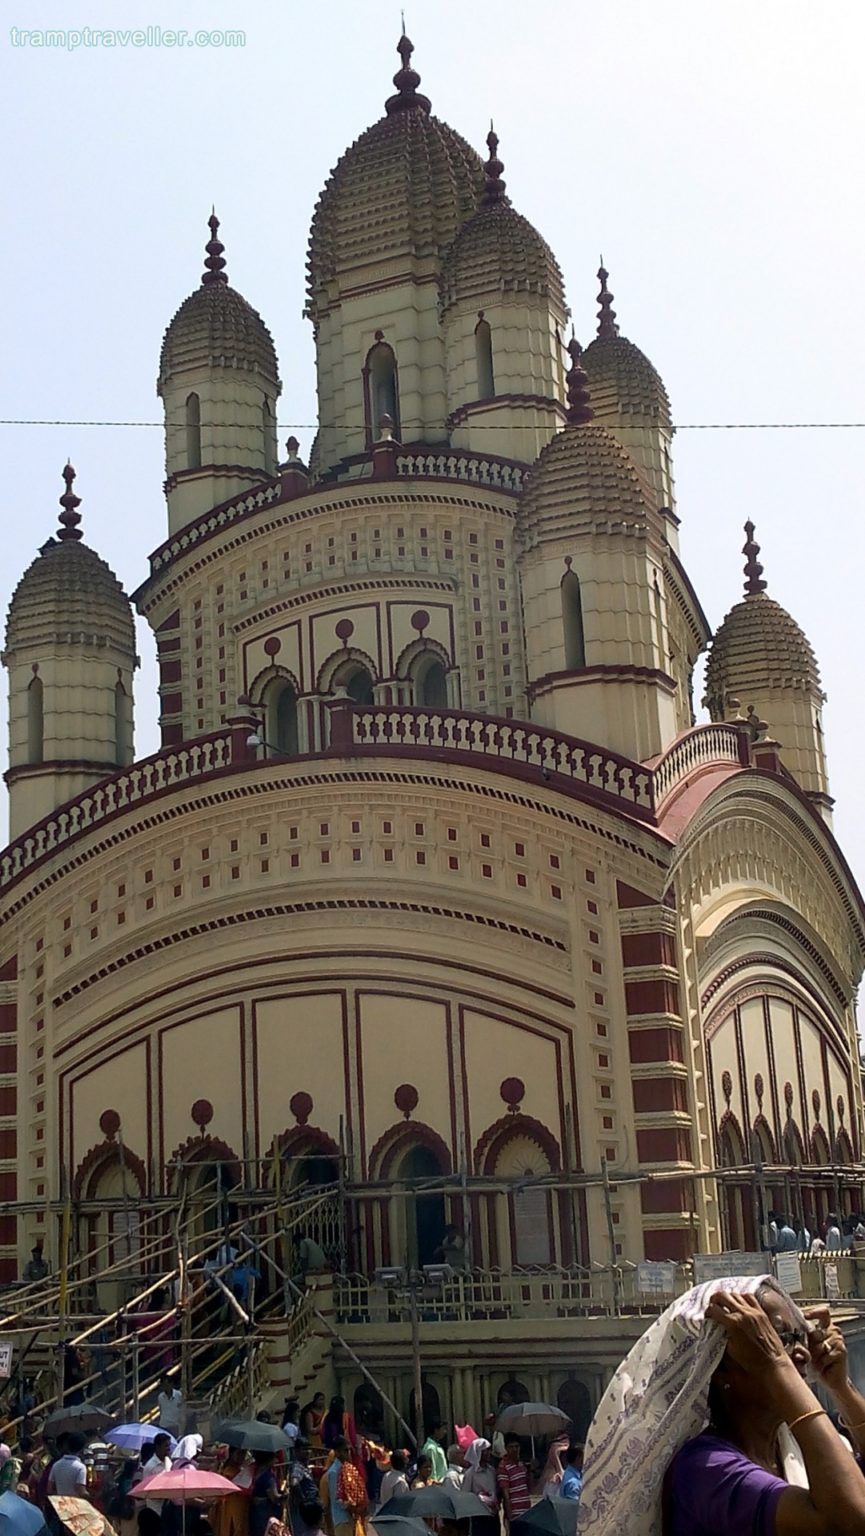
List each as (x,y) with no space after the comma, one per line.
(484,359)
(820,1147)
(35,722)
(284,734)
(432,687)
(268,427)
(193,432)
(572,621)
(121,725)
(356,681)
(382,395)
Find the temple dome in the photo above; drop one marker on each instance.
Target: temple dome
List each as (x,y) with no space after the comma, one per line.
(403,189)
(499,251)
(758,646)
(216,327)
(622,380)
(69,595)
(583,471)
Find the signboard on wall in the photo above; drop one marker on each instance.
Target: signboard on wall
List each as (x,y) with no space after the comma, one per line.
(5,1361)
(720,1266)
(788,1273)
(532,1225)
(656,1278)
(830,1277)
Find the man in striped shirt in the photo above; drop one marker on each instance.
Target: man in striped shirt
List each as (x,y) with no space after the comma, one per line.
(513,1480)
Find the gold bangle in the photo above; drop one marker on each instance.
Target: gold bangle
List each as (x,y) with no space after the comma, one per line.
(811,1414)
(844,1425)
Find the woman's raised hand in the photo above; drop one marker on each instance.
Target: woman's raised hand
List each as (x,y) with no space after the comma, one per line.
(751,1340)
(827,1348)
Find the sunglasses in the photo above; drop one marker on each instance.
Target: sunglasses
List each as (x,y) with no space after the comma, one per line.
(790,1337)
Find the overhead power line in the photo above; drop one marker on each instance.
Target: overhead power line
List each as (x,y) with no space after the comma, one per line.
(314,426)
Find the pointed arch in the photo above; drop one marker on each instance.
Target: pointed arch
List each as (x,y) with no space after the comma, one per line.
(35,721)
(402,1138)
(102,1157)
(572,621)
(301,1141)
(763,1141)
(486,385)
(193,431)
(351,669)
(512,1128)
(731,1142)
(820,1153)
(203,1151)
(426,664)
(843,1147)
(381,389)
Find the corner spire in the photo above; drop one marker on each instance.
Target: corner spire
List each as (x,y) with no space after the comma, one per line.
(215,263)
(579,405)
(406,81)
(70,517)
(607,327)
(494,186)
(754,582)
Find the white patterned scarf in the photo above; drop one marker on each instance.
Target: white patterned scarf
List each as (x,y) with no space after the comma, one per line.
(655,1402)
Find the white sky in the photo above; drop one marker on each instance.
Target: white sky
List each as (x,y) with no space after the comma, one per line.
(710,148)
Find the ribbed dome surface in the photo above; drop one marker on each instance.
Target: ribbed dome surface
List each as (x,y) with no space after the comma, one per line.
(758,646)
(402,189)
(624,383)
(583,473)
(497,251)
(70,595)
(216,328)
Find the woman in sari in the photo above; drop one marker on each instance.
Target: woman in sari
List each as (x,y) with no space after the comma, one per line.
(709,1427)
(265,1501)
(230,1516)
(311,1421)
(480,1475)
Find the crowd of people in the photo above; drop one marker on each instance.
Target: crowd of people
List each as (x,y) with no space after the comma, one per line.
(834,1235)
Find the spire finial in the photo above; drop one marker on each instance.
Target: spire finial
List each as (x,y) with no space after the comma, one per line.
(406,81)
(754,582)
(579,406)
(215,263)
(607,327)
(494,187)
(70,517)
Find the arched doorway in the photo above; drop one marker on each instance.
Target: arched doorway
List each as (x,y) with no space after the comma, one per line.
(738,1206)
(574,1400)
(424,1212)
(430,1402)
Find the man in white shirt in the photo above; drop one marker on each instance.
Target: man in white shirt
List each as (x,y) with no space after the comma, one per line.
(160,1461)
(394,1481)
(68,1475)
(169,1401)
(833,1234)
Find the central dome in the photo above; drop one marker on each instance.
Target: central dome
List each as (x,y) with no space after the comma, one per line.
(402,190)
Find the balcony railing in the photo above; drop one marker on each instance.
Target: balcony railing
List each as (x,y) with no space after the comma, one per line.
(524,751)
(700,748)
(469,468)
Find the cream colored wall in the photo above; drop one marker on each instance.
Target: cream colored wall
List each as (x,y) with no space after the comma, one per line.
(527,361)
(230,404)
(196,1002)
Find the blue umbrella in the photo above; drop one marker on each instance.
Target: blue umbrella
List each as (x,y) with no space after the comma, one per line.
(18,1517)
(131,1437)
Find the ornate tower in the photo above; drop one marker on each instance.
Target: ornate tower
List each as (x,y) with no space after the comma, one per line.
(388,213)
(591,571)
(219,383)
(761,659)
(503,314)
(70,655)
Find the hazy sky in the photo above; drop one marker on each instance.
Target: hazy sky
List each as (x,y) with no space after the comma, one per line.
(712,151)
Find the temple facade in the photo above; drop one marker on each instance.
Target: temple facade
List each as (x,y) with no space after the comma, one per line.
(436,896)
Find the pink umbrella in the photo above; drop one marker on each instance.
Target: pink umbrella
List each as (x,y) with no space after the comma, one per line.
(182,1483)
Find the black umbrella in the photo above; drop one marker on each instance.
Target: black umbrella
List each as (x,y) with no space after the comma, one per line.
(549,1517)
(397,1525)
(251,1435)
(437,1499)
(87,1418)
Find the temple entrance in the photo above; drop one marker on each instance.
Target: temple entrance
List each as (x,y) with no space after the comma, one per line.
(424,1213)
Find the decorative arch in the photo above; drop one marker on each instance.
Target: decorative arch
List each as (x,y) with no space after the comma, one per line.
(415,651)
(204,1149)
(766,1140)
(193,432)
(106,1154)
(303,1141)
(35,720)
(510,1128)
(402,1138)
(794,1146)
(843,1147)
(275,673)
(330,670)
(820,1153)
(486,385)
(426,664)
(380,389)
(572,620)
(730,1131)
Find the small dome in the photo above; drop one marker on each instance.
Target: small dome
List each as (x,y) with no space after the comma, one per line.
(216,327)
(623,382)
(402,189)
(497,250)
(758,646)
(69,595)
(582,472)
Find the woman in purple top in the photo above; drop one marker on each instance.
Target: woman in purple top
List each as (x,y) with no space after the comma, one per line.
(710,1429)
